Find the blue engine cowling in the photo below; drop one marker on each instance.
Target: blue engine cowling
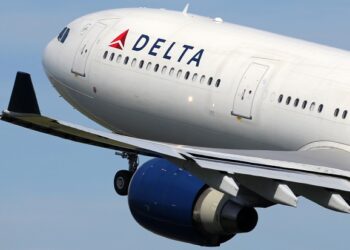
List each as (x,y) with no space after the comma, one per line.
(168,201)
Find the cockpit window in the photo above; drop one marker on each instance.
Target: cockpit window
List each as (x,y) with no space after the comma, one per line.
(63,35)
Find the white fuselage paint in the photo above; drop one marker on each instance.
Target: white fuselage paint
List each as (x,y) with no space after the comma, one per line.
(152,105)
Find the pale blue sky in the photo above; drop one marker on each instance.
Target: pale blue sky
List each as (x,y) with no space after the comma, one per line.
(56,194)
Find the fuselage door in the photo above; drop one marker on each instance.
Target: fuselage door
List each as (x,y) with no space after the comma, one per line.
(84,50)
(244,99)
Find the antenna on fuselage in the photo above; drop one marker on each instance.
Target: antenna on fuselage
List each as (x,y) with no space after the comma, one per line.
(185,11)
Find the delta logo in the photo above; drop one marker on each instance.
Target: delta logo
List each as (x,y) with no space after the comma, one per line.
(119,41)
(161,47)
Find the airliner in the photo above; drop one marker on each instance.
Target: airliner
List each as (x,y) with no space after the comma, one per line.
(233,118)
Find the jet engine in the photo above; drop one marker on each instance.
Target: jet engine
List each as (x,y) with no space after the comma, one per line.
(172,203)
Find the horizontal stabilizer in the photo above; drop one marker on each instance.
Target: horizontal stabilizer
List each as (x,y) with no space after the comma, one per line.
(23,98)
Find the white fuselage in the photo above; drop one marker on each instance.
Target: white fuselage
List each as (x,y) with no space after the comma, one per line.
(186,79)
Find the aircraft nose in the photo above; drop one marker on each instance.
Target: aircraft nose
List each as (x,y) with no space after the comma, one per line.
(52,59)
(49,58)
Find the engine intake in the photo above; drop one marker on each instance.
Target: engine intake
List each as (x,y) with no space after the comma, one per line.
(172,203)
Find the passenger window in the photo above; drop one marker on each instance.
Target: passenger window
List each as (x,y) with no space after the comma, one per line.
(289,99)
(142,62)
(156,67)
(187,75)
(164,70)
(218,82)
(111,57)
(304,104)
(194,78)
(312,106)
(345,114)
(105,55)
(119,58)
(149,65)
(320,108)
(126,60)
(280,98)
(171,72)
(179,73)
(296,102)
(133,63)
(336,112)
(202,79)
(210,81)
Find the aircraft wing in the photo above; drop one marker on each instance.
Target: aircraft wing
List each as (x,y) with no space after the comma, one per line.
(321,175)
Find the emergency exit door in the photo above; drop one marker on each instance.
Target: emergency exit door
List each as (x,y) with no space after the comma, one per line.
(84,50)
(248,86)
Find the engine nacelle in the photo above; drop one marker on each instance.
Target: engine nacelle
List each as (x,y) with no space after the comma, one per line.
(172,203)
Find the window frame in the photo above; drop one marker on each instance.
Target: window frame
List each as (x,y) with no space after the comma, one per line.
(149,66)
(111,57)
(296,102)
(119,58)
(134,62)
(336,112)
(126,60)
(105,55)
(203,79)
(345,114)
(141,64)
(156,67)
(218,83)
(210,81)
(320,108)
(288,100)
(280,98)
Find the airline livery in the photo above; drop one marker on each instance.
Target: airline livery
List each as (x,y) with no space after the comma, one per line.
(234,118)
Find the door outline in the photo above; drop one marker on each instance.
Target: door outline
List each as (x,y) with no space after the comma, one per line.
(86,46)
(247,89)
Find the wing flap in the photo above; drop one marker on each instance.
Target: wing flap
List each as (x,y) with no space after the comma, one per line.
(329,161)
(282,187)
(294,176)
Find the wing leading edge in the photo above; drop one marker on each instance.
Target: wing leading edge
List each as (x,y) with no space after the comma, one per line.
(278,177)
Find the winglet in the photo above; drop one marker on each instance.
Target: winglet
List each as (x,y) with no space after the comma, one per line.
(23,98)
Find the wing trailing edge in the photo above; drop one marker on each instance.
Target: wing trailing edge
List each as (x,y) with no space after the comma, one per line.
(278,177)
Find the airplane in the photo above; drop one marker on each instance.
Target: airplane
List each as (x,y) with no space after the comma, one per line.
(234,118)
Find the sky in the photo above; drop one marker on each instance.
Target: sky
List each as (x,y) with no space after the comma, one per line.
(58,195)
